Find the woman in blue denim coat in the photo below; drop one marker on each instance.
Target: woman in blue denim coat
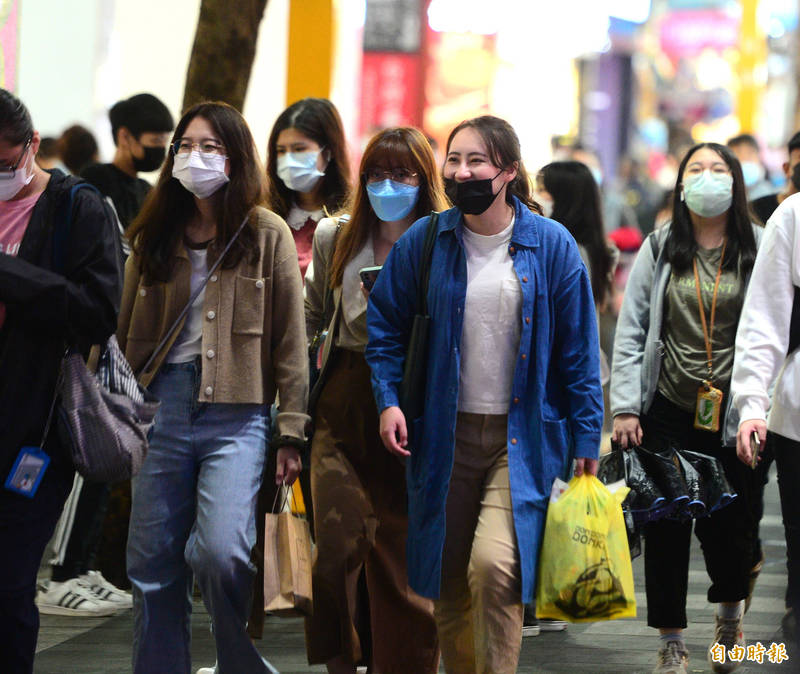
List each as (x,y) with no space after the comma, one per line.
(512,395)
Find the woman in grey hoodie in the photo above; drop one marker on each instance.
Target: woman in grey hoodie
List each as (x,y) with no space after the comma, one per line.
(673,357)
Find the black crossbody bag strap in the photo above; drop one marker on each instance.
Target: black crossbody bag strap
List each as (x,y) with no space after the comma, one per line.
(193,297)
(425,271)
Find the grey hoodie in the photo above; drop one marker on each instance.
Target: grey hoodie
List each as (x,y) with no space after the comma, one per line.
(638,348)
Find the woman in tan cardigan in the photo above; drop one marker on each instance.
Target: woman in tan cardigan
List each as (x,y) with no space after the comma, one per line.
(240,342)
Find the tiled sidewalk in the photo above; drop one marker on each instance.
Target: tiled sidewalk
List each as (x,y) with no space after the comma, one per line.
(102,646)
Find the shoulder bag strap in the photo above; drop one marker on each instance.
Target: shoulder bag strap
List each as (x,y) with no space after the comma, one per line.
(193,297)
(327,298)
(425,271)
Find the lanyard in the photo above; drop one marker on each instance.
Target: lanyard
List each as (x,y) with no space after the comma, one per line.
(708,331)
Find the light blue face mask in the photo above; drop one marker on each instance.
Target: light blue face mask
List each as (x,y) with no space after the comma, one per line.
(708,194)
(391,200)
(752,172)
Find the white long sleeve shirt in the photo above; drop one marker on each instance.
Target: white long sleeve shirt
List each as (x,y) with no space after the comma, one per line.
(762,338)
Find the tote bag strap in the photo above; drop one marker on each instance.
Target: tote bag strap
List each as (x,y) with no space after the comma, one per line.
(425,271)
(193,297)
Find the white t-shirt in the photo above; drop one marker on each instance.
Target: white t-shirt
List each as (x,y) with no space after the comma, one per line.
(492,324)
(189,343)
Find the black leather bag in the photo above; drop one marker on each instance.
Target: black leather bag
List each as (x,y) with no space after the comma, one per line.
(415,370)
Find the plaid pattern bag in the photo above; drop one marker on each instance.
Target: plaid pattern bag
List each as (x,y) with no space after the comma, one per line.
(104,418)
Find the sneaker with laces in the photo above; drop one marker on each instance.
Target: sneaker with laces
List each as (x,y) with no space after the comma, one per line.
(672,659)
(728,633)
(73,597)
(107,591)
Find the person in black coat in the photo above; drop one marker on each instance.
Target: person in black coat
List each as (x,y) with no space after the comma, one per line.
(44,307)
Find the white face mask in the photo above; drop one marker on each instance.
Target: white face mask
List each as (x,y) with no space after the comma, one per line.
(201,173)
(298,170)
(10,187)
(708,194)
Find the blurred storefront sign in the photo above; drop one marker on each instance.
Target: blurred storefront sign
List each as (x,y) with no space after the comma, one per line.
(392,66)
(9,36)
(685,34)
(390,86)
(459,73)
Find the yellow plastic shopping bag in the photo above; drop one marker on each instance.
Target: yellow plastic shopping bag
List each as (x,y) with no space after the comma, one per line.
(585,571)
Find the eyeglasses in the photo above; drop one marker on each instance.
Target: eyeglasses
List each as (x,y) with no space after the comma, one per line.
(8,172)
(185,146)
(399,174)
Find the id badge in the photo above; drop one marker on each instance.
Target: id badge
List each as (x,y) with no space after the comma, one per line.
(709,406)
(28,471)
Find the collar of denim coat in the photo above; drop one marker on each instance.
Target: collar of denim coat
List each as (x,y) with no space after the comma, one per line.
(525,233)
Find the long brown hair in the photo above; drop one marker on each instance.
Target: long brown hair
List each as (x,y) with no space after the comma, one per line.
(397,147)
(502,145)
(160,225)
(318,119)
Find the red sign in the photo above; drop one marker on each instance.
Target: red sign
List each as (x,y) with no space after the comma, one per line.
(391,86)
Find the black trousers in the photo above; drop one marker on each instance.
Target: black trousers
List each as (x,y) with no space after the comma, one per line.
(787,457)
(726,536)
(26,526)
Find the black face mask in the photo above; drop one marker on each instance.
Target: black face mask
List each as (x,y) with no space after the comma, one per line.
(472,197)
(153,158)
(796,176)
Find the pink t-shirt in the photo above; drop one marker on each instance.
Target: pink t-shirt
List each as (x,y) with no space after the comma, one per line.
(14,219)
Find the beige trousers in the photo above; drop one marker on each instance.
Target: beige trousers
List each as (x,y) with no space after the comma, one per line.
(479,612)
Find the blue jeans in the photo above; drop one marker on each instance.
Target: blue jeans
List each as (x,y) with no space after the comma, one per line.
(193,513)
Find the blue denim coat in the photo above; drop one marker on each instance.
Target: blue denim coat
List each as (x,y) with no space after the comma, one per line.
(556,411)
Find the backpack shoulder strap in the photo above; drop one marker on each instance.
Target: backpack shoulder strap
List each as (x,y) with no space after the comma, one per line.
(653,237)
(63,223)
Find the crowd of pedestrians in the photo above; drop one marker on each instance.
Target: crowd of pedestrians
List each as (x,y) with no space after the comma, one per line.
(270,308)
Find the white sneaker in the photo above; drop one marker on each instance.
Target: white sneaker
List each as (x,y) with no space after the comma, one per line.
(107,591)
(207,670)
(552,625)
(73,597)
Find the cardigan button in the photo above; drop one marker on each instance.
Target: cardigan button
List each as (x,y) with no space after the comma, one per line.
(213,278)
(142,292)
(527,319)
(523,356)
(210,354)
(259,283)
(513,441)
(516,401)
(524,279)
(209,390)
(512,250)
(211,315)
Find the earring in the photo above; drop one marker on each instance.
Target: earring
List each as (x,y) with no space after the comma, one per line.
(682,199)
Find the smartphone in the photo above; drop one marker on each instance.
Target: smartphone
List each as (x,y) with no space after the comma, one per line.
(755,449)
(368,276)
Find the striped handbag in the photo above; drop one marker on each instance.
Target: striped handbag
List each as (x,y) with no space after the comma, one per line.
(104,418)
